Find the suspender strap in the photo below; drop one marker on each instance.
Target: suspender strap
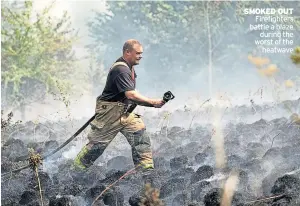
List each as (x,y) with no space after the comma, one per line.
(119,63)
(124,64)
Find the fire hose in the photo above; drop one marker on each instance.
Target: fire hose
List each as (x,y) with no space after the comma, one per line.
(167,97)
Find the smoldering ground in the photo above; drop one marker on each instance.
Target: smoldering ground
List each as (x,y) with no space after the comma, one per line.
(265,154)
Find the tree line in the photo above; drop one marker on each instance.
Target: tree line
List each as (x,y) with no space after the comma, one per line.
(180,38)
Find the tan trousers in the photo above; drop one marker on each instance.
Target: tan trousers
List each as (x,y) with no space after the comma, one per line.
(111,119)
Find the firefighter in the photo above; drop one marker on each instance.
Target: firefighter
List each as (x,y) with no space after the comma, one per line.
(112,117)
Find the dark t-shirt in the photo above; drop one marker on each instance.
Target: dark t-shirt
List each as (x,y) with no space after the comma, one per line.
(119,80)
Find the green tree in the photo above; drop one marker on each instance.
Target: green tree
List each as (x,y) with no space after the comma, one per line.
(296,56)
(96,75)
(37,55)
(156,24)
(181,38)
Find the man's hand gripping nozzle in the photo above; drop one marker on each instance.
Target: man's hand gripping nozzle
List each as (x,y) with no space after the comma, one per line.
(167,97)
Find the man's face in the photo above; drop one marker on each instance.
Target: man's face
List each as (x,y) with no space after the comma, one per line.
(135,55)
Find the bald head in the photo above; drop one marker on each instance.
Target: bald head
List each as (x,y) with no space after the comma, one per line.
(132,51)
(128,45)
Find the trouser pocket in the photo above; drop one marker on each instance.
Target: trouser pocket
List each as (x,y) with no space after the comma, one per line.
(106,114)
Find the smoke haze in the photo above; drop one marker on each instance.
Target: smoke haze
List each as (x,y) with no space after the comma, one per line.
(191,88)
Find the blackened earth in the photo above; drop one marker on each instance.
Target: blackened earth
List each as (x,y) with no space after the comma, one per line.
(266,154)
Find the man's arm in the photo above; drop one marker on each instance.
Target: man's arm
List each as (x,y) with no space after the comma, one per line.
(125,84)
(144,101)
(139,99)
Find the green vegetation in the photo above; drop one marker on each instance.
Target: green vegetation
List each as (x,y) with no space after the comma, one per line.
(36,53)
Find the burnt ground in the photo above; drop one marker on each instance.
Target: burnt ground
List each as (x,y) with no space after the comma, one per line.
(265,152)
